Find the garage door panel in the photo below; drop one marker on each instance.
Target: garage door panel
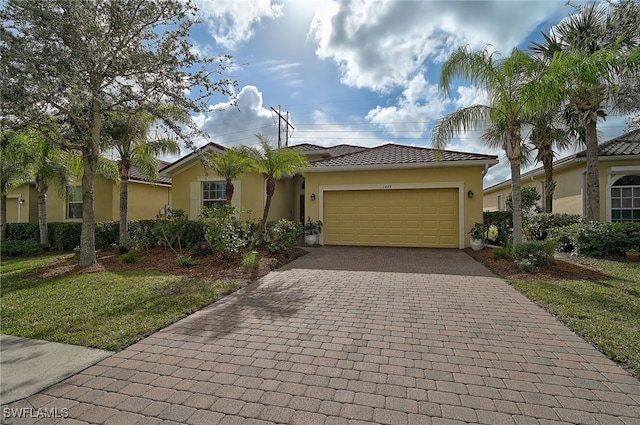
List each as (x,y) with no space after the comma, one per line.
(404,217)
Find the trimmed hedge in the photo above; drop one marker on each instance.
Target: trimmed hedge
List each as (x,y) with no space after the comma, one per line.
(503,222)
(536,226)
(597,239)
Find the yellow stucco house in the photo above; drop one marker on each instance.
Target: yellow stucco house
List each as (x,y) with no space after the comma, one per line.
(619,168)
(146,200)
(390,195)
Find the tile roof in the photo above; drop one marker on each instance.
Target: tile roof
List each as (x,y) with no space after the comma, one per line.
(135,174)
(626,144)
(307,147)
(392,154)
(344,149)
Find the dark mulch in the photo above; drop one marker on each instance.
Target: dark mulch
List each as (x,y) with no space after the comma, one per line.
(567,268)
(164,260)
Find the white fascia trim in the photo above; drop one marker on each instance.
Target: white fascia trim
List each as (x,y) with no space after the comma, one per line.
(397,186)
(435,164)
(186,161)
(150,183)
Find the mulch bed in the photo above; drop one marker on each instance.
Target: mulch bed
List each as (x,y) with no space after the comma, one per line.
(565,268)
(164,260)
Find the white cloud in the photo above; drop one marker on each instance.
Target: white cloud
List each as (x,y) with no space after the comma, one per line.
(233,22)
(237,125)
(419,105)
(380,45)
(471,95)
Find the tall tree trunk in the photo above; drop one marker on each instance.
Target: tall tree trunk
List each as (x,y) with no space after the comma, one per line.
(592,212)
(88,232)
(41,188)
(516,198)
(229,191)
(123,239)
(549,184)
(3,217)
(271,189)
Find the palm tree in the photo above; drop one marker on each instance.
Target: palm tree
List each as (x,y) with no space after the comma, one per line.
(127,134)
(50,164)
(509,83)
(551,127)
(274,164)
(588,53)
(15,169)
(230,164)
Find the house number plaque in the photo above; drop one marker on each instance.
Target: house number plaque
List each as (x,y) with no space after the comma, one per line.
(386,186)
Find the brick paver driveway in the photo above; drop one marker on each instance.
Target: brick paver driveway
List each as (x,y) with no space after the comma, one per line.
(357,336)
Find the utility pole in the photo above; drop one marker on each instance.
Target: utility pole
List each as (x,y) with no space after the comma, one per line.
(286,120)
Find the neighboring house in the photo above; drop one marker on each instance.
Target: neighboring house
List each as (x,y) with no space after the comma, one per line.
(390,195)
(619,168)
(146,200)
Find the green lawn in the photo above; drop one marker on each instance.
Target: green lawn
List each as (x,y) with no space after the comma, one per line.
(102,310)
(605,312)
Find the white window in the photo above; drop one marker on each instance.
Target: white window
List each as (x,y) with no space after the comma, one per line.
(625,199)
(74,202)
(214,194)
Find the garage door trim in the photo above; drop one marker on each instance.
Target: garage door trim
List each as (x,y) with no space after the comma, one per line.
(399,186)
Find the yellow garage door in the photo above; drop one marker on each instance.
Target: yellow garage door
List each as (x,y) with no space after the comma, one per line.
(398,217)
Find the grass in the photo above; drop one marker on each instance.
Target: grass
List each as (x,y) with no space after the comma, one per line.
(103,310)
(605,312)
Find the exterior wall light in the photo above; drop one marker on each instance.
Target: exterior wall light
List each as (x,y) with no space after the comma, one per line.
(313,196)
(470,194)
(21,201)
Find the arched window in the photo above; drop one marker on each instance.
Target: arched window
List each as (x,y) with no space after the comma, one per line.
(625,199)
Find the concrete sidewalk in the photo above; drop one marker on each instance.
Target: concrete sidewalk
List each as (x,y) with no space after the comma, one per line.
(28,366)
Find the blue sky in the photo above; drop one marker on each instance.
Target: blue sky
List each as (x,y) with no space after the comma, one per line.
(359,72)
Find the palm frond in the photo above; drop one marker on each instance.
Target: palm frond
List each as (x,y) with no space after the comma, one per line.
(462,120)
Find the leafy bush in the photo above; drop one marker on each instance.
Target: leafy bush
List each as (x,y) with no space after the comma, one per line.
(224,233)
(23,231)
(107,234)
(65,236)
(282,236)
(144,233)
(502,222)
(530,201)
(172,228)
(130,257)
(201,249)
(185,261)
(21,248)
(537,226)
(501,253)
(598,239)
(251,260)
(536,253)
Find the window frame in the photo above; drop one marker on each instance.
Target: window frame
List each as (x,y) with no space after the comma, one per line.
(625,192)
(74,197)
(208,202)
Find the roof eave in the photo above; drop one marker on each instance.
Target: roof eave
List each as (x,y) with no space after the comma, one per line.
(413,165)
(186,160)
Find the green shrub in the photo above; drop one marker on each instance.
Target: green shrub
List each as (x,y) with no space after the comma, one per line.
(501,253)
(251,260)
(65,236)
(597,239)
(130,257)
(537,226)
(107,234)
(500,224)
(21,248)
(23,231)
(535,253)
(282,236)
(224,233)
(144,233)
(185,261)
(172,228)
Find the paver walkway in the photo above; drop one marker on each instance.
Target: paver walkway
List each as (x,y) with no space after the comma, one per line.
(329,346)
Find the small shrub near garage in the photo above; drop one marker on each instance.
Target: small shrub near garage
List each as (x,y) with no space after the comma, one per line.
(500,224)
(224,233)
(282,236)
(529,255)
